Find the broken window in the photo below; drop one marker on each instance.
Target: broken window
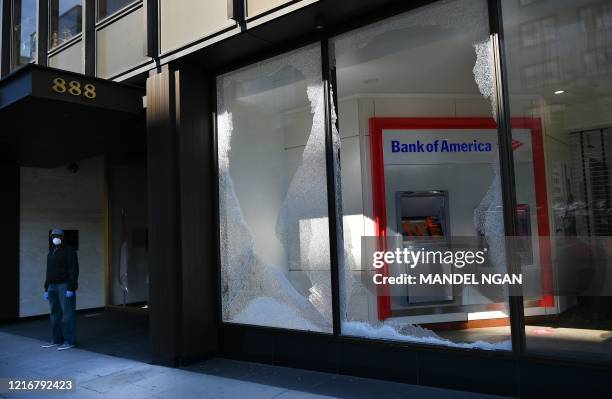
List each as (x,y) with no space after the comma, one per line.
(274,231)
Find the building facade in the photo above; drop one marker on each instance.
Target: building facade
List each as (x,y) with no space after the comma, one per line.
(231,165)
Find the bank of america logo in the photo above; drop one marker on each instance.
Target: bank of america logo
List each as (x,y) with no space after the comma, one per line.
(516,144)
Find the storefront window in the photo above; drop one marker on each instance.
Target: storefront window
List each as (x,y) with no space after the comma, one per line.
(420,172)
(109,7)
(24,31)
(559,56)
(274,232)
(65,19)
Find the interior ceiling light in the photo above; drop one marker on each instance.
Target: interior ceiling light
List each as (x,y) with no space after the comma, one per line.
(559,92)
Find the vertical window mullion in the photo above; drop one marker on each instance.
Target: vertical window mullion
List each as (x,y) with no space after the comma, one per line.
(89,37)
(151,27)
(333,217)
(42,32)
(506,158)
(6,46)
(15,40)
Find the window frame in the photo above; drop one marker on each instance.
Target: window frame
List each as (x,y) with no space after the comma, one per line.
(115,14)
(15,52)
(516,311)
(106,22)
(332,220)
(52,50)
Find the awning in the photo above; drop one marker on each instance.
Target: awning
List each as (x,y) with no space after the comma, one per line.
(49,117)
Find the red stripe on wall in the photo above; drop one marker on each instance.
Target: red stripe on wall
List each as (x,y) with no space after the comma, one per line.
(379,215)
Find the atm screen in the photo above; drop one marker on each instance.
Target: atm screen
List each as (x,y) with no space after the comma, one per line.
(428,226)
(425,214)
(422,213)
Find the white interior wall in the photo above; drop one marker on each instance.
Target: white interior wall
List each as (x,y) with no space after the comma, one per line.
(355,161)
(57,198)
(260,174)
(354,114)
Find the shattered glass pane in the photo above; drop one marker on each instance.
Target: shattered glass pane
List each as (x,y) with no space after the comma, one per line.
(273,194)
(434,63)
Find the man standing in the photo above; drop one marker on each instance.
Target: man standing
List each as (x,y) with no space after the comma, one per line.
(60,290)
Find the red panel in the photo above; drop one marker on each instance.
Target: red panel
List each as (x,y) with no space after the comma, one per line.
(377,125)
(380,211)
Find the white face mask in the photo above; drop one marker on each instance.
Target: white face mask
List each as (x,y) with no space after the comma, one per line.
(57,241)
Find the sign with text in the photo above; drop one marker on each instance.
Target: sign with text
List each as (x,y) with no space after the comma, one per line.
(439,146)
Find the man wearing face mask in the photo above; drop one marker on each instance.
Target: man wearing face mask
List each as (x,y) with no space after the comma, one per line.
(60,290)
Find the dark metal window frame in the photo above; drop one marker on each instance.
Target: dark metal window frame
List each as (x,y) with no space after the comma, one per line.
(249,18)
(506,165)
(14,53)
(6,41)
(148,29)
(73,39)
(115,15)
(88,34)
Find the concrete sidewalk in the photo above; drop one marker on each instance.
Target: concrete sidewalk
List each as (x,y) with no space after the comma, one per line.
(102,376)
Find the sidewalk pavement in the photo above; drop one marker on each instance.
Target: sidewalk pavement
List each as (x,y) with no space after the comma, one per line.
(101,376)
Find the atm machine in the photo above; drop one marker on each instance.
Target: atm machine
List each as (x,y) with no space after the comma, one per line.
(423,222)
(417,194)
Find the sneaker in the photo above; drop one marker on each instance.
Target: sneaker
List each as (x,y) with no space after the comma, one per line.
(49,345)
(64,346)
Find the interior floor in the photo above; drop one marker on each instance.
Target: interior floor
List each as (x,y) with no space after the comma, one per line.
(111,332)
(568,334)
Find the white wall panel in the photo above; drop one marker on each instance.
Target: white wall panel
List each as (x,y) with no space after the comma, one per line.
(58,198)
(121,45)
(69,59)
(184,21)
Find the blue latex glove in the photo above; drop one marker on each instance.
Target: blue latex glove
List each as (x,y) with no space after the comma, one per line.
(69,294)
(46,296)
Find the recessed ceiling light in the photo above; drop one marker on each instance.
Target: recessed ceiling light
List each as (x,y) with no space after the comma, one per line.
(559,92)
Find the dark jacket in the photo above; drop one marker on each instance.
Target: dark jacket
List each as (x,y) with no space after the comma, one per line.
(62,267)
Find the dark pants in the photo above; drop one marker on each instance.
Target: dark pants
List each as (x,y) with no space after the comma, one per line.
(63,314)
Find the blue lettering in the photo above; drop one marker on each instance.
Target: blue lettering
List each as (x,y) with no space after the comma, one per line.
(441,146)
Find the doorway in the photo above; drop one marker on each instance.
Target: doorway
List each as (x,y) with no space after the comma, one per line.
(127,274)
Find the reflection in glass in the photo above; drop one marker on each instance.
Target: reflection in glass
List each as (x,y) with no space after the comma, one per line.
(24,31)
(434,63)
(66,19)
(274,229)
(560,84)
(109,7)
(127,213)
